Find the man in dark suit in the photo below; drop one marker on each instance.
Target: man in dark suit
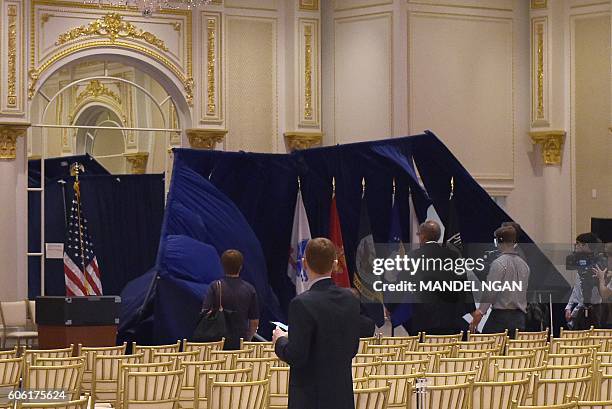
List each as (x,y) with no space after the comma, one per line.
(324,328)
(438,312)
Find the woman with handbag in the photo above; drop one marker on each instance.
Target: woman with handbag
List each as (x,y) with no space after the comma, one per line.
(230,308)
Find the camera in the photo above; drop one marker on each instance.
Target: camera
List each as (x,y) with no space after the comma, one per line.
(586,261)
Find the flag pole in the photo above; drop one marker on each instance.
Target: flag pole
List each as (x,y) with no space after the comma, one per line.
(333,186)
(363,184)
(75,170)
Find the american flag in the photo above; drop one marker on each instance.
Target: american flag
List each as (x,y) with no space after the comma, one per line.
(81,270)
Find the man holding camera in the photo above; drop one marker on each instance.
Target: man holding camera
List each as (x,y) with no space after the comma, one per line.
(584,307)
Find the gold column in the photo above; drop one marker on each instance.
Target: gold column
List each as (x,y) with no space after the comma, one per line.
(138,162)
(551,143)
(205,138)
(9,133)
(302,140)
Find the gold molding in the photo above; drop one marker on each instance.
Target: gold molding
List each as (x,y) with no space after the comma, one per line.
(538,4)
(35,72)
(9,132)
(12,57)
(111,26)
(551,143)
(309,5)
(308,72)
(540,71)
(302,140)
(205,138)
(137,161)
(96,89)
(211,27)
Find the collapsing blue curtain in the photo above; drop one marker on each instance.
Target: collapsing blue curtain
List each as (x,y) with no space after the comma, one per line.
(262,188)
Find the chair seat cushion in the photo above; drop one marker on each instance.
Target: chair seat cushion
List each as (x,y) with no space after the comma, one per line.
(22,334)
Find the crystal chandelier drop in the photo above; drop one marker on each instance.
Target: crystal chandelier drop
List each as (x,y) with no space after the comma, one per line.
(148,7)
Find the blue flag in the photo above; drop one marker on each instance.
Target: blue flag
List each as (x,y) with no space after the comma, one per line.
(402,312)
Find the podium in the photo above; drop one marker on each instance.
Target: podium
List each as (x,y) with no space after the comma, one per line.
(91,321)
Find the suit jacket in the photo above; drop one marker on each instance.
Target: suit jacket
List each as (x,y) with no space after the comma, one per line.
(441,311)
(323,339)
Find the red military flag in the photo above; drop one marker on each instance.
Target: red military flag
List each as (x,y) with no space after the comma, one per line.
(340,274)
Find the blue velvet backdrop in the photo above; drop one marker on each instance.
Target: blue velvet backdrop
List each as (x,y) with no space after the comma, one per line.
(259,190)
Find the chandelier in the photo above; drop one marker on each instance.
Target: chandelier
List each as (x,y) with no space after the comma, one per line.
(148,7)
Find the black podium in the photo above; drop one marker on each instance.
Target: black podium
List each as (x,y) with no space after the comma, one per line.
(90,321)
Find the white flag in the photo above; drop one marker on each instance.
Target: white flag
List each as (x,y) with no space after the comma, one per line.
(300,234)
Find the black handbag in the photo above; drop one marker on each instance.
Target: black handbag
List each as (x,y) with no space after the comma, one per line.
(214,324)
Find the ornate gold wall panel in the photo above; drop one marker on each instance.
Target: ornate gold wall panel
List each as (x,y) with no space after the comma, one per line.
(211,76)
(8,139)
(73,27)
(309,5)
(12,58)
(308,63)
(538,4)
(539,72)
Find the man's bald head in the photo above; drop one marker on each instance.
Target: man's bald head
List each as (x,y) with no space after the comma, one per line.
(429,231)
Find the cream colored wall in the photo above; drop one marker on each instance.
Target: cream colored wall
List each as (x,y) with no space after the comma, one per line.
(592,118)
(251,47)
(458,67)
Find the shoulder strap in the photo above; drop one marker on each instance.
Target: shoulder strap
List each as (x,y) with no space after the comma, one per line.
(220,295)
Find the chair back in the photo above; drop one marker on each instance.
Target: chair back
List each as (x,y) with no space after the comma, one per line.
(450,378)
(105,376)
(540,353)
(499,338)
(554,391)
(384,356)
(569,359)
(410,339)
(366,341)
(400,387)
(70,404)
(395,349)
(237,395)
(568,405)
(48,353)
(14,313)
(279,387)
(478,364)
(261,366)
(148,350)
(566,371)
(596,404)
(402,367)
(445,396)
(257,346)
(359,370)
(203,347)
(157,357)
(531,335)
(498,395)
(56,377)
(159,390)
(442,339)
(231,356)
(10,372)
(10,353)
(371,398)
(564,333)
